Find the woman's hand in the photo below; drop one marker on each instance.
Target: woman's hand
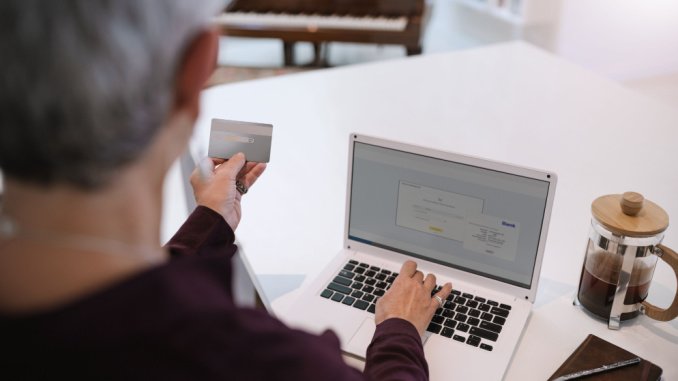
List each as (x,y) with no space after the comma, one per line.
(215,185)
(409,298)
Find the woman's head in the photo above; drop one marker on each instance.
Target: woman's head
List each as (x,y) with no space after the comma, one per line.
(85,85)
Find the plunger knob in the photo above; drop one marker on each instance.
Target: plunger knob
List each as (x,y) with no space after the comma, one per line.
(631,203)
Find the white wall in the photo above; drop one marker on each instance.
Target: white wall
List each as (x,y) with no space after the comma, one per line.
(620,39)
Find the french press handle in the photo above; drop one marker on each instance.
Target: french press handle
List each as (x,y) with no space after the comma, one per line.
(669,256)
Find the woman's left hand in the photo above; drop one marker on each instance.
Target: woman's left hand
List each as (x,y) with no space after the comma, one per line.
(215,187)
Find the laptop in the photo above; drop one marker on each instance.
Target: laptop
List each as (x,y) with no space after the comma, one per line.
(476,223)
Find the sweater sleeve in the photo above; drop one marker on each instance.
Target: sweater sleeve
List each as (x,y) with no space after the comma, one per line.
(396,353)
(204,230)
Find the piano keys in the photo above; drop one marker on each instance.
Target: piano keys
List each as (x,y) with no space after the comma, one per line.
(311,22)
(318,21)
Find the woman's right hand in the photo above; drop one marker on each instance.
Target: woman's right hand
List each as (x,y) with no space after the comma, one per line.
(409,298)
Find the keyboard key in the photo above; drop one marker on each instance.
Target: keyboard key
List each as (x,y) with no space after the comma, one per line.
(447,332)
(360,278)
(479,299)
(492,303)
(349,267)
(348,300)
(359,270)
(353,262)
(463,327)
(361,305)
(368,288)
(381,276)
(357,285)
(460,300)
(395,274)
(505,306)
(371,308)
(438,319)
(439,311)
(486,347)
(484,307)
(338,287)
(375,268)
(473,340)
(450,323)
(467,296)
(499,320)
(450,305)
(433,327)
(387,272)
(456,292)
(357,294)
(379,292)
(462,309)
(390,279)
(499,311)
(490,326)
(460,317)
(381,285)
(326,293)
(368,298)
(448,313)
(473,321)
(485,334)
(370,273)
(472,304)
(371,281)
(474,313)
(487,316)
(459,338)
(346,274)
(365,265)
(342,280)
(337,297)
(450,297)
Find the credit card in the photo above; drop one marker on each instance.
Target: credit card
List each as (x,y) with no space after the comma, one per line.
(228,137)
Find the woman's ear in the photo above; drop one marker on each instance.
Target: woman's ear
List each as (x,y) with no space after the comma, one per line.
(196,66)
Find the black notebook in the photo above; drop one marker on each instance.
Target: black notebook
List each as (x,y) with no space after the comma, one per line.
(594,352)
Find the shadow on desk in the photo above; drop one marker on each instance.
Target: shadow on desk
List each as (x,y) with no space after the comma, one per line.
(274,286)
(551,290)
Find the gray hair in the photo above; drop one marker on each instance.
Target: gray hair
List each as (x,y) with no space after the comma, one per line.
(86,84)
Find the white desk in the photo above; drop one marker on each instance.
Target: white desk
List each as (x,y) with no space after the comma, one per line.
(508,102)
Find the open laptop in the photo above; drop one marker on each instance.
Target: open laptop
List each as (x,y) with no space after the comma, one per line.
(478,224)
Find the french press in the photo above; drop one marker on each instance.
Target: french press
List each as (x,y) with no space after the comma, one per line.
(621,255)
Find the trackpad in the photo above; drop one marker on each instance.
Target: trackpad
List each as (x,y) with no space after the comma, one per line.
(362,338)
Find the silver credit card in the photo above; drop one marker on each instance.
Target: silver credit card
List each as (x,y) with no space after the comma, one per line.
(228,137)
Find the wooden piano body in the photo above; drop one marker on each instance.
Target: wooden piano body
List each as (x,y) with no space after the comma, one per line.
(397,22)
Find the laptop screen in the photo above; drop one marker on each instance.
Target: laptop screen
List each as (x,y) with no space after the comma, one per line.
(471,218)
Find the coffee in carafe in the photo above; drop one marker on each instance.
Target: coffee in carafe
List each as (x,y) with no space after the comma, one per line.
(599,283)
(621,255)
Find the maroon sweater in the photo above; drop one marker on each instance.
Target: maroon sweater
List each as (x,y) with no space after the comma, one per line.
(178,321)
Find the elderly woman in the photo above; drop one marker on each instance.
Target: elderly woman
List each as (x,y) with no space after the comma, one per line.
(97,100)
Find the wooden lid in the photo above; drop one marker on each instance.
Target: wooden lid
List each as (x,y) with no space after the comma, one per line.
(630,215)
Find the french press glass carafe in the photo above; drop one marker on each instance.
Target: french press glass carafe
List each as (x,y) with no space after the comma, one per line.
(621,255)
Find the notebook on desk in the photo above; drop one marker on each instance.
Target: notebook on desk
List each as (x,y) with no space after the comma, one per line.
(595,352)
(479,224)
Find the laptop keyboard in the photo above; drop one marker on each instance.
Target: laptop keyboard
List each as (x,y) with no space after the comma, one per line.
(466,318)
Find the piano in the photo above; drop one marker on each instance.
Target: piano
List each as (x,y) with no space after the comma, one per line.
(397,22)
